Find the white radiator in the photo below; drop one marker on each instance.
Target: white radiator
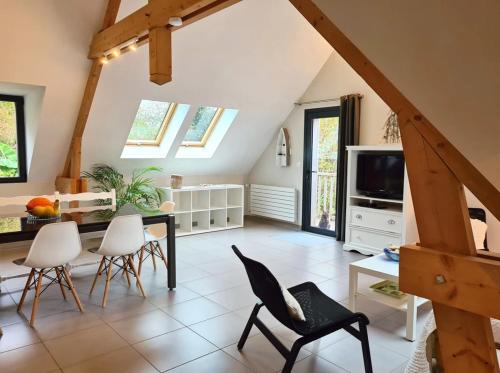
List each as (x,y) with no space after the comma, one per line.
(273,202)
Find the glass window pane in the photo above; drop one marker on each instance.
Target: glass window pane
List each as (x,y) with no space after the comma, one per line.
(9,166)
(200,123)
(148,120)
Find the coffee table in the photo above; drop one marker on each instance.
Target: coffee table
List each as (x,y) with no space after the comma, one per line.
(380,266)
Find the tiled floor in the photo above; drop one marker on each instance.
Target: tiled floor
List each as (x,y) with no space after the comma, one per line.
(195,328)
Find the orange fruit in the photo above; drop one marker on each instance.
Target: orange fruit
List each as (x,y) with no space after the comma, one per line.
(38,201)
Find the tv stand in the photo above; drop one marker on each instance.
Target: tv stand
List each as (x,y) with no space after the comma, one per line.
(373,204)
(374,223)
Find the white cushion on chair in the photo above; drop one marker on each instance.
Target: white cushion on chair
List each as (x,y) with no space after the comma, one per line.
(294,309)
(479,229)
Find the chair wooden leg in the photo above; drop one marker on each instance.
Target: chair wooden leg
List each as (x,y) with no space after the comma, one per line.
(125,270)
(366,348)
(151,247)
(292,357)
(137,277)
(72,289)
(36,301)
(108,280)
(163,257)
(26,288)
(59,280)
(248,327)
(141,259)
(97,275)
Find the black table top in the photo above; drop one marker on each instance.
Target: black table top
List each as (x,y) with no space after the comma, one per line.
(18,227)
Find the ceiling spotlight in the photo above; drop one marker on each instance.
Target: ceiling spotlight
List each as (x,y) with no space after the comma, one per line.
(104,60)
(116,53)
(132,47)
(175,21)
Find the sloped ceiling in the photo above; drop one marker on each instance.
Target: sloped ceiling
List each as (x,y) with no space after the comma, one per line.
(257,56)
(444,57)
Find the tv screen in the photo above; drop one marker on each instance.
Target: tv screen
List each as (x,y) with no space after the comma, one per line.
(381,175)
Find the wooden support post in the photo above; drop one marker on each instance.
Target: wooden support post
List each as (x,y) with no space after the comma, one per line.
(69,181)
(160,55)
(436,171)
(465,338)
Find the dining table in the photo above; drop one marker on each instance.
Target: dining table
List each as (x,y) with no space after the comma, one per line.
(20,226)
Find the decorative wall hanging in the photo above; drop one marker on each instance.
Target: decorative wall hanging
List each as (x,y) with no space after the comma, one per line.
(283,148)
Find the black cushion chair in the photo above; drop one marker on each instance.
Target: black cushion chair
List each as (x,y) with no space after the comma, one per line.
(323,315)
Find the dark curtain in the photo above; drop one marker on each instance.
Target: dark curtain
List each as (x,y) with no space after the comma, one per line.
(348,135)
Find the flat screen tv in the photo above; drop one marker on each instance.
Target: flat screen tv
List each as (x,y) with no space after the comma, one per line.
(381,175)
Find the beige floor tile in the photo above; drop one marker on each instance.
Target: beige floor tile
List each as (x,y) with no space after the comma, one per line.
(17,335)
(8,310)
(347,354)
(121,308)
(166,297)
(234,298)
(65,323)
(216,362)
(223,330)
(196,310)
(83,345)
(260,355)
(34,358)
(144,326)
(315,364)
(124,360)
(173,349)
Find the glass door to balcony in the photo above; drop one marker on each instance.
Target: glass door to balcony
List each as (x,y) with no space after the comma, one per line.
(321,136)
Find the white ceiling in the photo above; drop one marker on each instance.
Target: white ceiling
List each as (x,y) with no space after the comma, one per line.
(256,56)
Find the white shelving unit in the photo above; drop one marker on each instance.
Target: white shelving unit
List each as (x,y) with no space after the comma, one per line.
(369,230)
(202,209)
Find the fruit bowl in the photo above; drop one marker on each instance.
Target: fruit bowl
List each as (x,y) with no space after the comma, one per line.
(42,209)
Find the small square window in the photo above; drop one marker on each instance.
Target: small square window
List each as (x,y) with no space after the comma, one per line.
(150,123)
(202,126)
(12,140)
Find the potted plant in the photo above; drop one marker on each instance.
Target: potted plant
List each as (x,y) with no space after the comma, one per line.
(140,191)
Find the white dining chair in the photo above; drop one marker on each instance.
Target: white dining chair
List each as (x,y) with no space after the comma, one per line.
(123,238)
(54,246)
(154,234)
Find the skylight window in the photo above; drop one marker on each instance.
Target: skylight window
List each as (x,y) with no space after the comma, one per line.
(151,123)
(202,126)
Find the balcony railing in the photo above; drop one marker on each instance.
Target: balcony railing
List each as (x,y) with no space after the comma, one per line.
(326,194)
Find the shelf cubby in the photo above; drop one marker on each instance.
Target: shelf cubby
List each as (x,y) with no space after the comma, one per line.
(182,201)
(200,221)
(218,219)
(235,217)
(218,199)
(200,200)
(234,197)
(183,223)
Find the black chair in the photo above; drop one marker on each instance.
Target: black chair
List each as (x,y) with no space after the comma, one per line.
(323,315)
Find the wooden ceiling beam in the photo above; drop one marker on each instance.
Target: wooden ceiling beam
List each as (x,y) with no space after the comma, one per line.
(160,55)
(154,14)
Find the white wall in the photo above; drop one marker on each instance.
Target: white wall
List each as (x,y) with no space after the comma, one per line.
(335,79)
(44,47)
